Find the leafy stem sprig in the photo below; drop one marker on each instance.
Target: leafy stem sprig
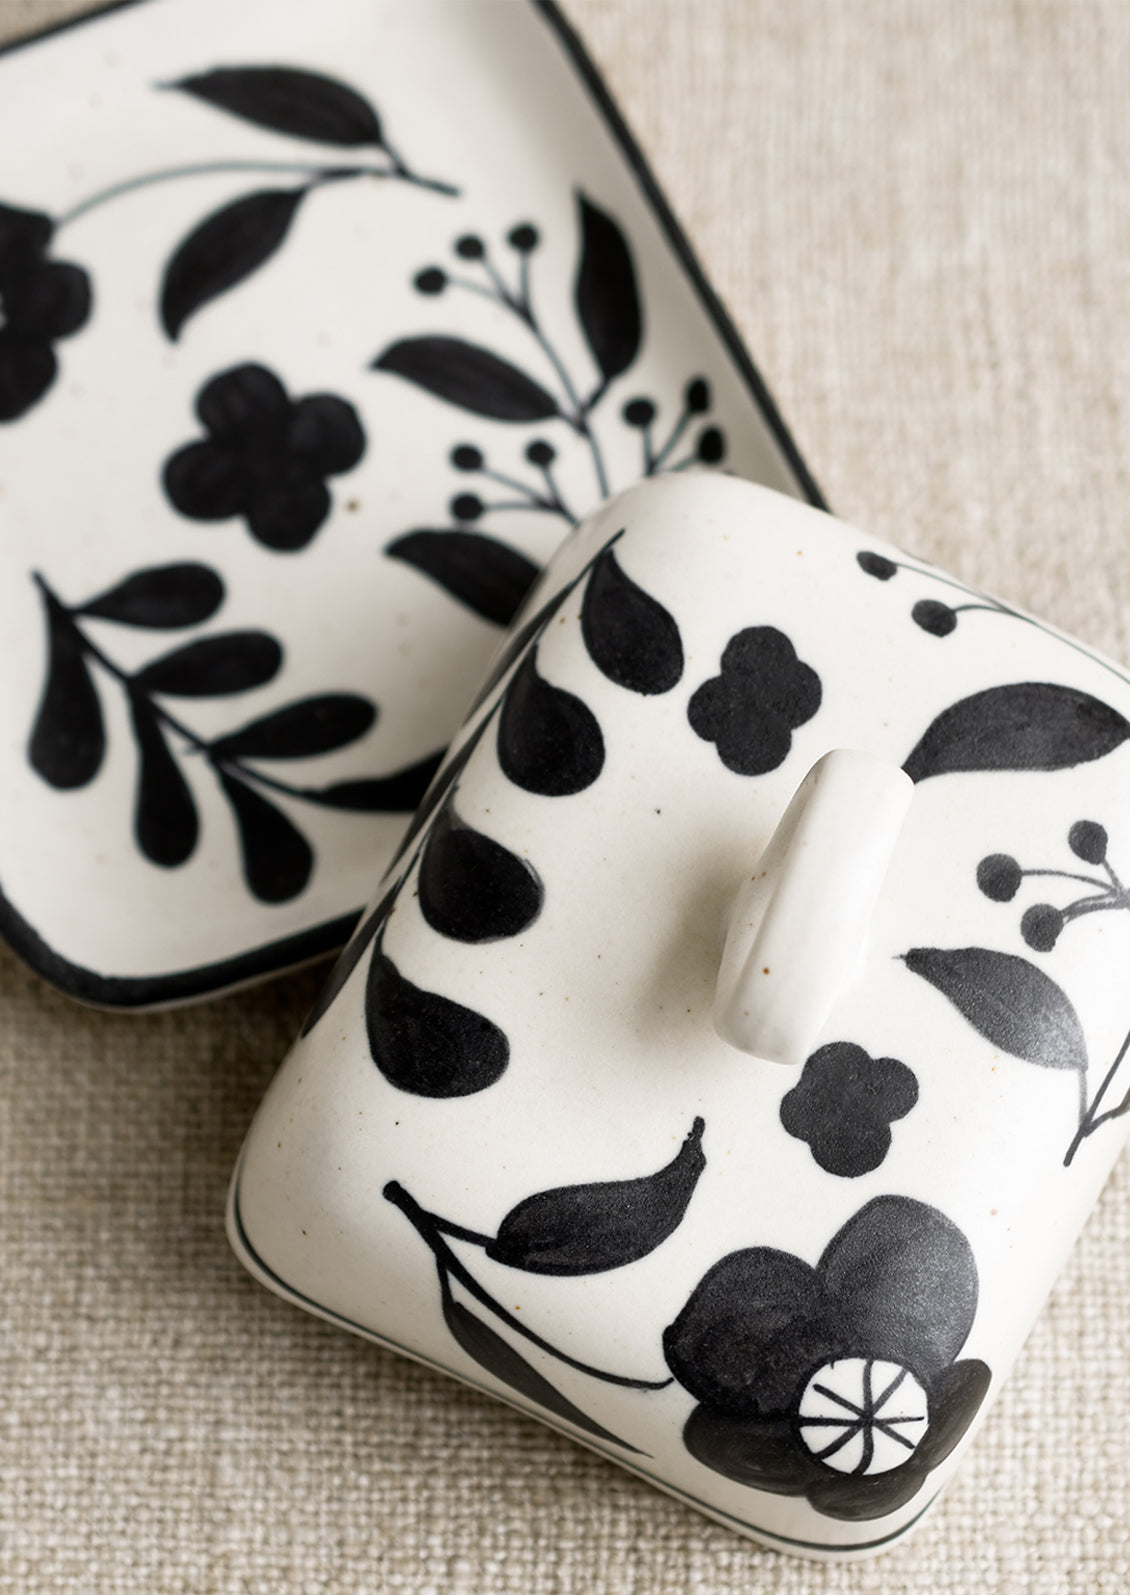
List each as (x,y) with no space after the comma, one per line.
(516,299)
(566,1232)
(432,1231)
(940,619)
(140,689)
(315,177)
(68,740)
(999,876)
(231,243)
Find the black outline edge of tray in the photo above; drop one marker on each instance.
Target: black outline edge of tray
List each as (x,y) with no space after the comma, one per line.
(251,1260)
(132,992)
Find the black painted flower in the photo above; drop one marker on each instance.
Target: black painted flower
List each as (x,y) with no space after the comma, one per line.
(843,1105)
(266,458)
(753,707)
(41,300)
(840,1382)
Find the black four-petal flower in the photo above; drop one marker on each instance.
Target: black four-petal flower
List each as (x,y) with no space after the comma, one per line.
(751,710)
(41,300)
(843,1105)
(838,1382)
(266,458)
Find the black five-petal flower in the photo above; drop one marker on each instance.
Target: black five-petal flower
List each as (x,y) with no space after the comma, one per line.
(40,300)
(752,708)
(837,1382)
(843,1105)
(266,458)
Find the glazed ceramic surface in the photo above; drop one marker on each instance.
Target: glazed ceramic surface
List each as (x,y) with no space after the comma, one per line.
(319,327)
(511,1141)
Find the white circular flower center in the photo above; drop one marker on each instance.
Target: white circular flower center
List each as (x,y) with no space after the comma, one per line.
(859,1415)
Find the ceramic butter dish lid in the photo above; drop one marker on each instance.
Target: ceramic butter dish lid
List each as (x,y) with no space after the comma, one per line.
(320,325)
(736,1045)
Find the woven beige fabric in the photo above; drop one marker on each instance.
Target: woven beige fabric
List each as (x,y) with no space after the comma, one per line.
(918,211)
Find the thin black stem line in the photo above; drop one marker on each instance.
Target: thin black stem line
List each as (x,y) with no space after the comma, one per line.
(541,505)
(1111,1113)
(502,290)
(168,174)
(524,280)
(579,419)
(576,413)
(551,483)
(512,481)
(426,1226)
(1089,1120)
(404,172)
(532,499)
(458,1233)
(471,287)
(676,433)
(1066,875)
(650,458)
(997,607)
(1114,880)
(1091,905)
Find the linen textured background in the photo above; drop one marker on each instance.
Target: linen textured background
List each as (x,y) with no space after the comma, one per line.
(918,212)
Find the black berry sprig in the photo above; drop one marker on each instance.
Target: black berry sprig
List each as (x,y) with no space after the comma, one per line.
(940,619)
(609,314)
(1000,876)
(709,446)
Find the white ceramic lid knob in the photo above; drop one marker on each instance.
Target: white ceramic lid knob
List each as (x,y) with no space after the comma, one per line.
(799,925)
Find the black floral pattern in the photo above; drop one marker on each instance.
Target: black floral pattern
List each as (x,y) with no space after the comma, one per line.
(266,458)
(41,300)
(843,1105)
(840,1382)
(751,710)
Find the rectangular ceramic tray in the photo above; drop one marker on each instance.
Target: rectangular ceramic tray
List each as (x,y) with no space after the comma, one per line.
(321,327)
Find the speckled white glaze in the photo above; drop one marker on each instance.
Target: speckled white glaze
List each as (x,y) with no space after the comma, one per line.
(511,1142)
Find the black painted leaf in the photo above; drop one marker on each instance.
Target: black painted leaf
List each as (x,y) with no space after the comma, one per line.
(277,858)
(548,740)
(301,730)
(213,667)
(474,378)
(398,793)
(351,956)
(487,575)
(484,1346)
(472,888)
(286,100)
(629,634)
(608,302)
(427,1044)
(1010,1002)
(68,739)
(1032,725)
(163,598)
(226,248)
(588,1229)
(438,788)
(165,821)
